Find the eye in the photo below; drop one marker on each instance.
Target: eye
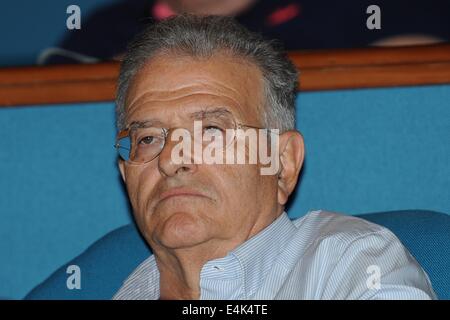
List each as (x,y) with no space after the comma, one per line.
(212,130)
(147,140)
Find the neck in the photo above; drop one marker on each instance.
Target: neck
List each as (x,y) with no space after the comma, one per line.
(180,268)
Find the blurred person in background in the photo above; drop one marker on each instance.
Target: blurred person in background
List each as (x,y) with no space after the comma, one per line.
(298,24)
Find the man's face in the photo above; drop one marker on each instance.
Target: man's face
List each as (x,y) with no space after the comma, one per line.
(213,203)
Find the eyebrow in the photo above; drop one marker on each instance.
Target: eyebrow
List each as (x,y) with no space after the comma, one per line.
(143,123)
(211,113)
(205,113)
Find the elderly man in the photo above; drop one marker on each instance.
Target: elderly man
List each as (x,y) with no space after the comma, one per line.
(219,230)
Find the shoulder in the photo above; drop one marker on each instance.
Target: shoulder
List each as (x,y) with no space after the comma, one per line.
(346,251)
(330,237)
(322,238)
(323,225)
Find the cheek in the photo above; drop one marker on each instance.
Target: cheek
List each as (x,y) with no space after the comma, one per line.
(238,185)
(254,193)
(140,186)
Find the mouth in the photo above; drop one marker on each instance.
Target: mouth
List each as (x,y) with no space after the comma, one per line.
(180,192)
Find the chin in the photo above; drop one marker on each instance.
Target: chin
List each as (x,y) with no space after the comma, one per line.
(182,229)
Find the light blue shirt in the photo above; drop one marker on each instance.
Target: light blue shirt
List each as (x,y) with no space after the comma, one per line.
(322,255)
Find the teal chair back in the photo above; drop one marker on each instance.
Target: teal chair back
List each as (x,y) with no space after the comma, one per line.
(108,262)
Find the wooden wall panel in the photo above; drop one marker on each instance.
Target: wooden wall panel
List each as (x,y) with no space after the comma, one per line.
(319,70)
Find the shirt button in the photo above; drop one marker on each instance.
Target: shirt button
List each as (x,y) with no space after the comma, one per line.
(219,268)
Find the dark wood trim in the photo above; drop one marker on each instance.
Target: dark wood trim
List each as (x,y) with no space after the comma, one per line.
(319,70)
(371,56)
(316,79)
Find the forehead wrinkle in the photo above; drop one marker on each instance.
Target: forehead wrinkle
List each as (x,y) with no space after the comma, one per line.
(204,112)
(132,108)
(182,91)
(167,71)
(240,94)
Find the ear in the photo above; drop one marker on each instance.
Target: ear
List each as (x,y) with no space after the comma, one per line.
(292,152)
(121,165)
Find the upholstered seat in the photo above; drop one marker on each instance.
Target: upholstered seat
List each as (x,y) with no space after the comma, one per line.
(108,262)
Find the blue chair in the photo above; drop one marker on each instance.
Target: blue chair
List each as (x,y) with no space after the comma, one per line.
(106,263)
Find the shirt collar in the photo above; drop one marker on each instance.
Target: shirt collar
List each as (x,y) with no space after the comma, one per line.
(250,262)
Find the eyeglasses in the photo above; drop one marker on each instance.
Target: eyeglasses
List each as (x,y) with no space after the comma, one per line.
(142,143)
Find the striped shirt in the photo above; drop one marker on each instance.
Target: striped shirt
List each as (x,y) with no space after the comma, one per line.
(321,255)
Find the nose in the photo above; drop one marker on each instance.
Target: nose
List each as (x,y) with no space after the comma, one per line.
(176,156)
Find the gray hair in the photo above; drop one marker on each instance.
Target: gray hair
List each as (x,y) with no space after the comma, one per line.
(201,37)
